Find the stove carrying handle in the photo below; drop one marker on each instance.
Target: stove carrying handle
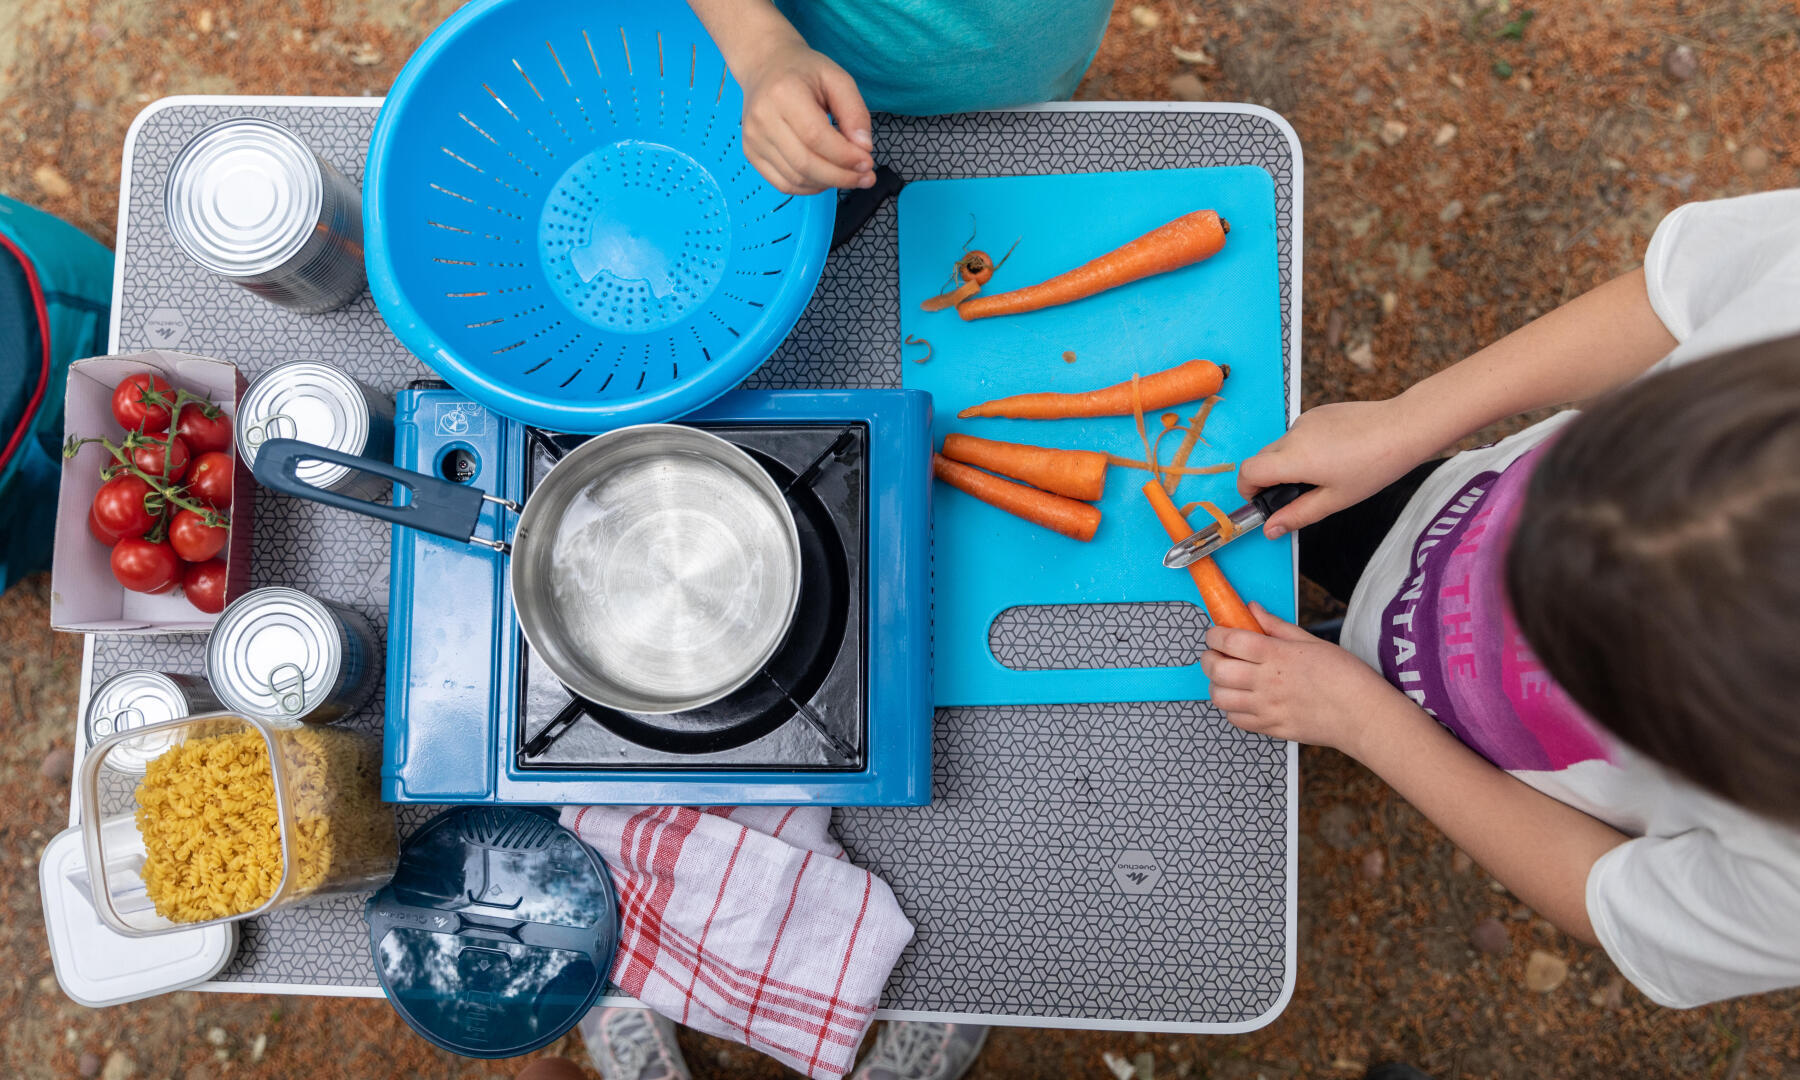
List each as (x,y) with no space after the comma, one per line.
(437,506)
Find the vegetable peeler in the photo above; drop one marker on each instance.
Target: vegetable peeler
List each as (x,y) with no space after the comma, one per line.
(1245,518)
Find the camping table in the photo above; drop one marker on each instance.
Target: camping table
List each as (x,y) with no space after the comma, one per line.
(1017,873)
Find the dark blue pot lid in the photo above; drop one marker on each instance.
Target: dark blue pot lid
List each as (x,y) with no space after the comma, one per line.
(497,932)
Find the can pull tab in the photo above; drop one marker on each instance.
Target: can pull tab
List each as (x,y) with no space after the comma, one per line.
(275,426)
(288,683)
(128,717)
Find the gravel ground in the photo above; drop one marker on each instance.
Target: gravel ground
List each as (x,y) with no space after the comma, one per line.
(1468,166)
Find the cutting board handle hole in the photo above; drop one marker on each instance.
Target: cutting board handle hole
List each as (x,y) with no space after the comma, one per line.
(1086,637)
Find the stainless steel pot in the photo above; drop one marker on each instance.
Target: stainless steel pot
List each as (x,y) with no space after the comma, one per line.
(655,569)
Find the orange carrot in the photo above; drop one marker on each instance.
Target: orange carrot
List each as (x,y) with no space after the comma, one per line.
(1181,242)
(1075,520)
(1079,474)
(1191,381)
(1223,605)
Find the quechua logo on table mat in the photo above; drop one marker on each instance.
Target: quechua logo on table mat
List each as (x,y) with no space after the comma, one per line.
(1136,872)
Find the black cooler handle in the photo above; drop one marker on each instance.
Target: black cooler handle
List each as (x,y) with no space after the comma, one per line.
(858,205)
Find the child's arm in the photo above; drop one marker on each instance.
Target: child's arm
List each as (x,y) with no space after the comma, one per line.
(1350,450)
(791,94)
(1291,685)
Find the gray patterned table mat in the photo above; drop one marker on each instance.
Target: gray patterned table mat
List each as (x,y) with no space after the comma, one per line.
(1110,865)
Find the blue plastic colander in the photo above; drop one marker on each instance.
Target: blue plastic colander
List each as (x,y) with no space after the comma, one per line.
(560,220)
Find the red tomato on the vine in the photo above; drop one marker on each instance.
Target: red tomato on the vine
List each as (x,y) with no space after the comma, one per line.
(99,531)
(149,457)
(203,433)
(131,408)
(193,539)
(204,585)
(145,566)
(118,507)
(209,479)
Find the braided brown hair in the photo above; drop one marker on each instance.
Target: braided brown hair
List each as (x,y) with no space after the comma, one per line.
(1655,570)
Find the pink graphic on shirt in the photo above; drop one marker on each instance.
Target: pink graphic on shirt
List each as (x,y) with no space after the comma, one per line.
(1453,647)
(1560,727)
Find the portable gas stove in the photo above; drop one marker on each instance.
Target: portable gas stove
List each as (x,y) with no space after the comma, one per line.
(840,715)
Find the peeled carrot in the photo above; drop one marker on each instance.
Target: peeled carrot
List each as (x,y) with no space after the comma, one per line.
(1222,602)
(1079,474)
(1182,242)
(1223,605)
(1191,381)
(1075,520)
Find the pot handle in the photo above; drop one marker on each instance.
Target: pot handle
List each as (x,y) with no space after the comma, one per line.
(438,506)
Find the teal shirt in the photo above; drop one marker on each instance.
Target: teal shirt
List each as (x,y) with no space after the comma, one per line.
(926,57)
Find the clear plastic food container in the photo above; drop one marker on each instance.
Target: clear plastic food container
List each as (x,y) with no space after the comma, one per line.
(232,817)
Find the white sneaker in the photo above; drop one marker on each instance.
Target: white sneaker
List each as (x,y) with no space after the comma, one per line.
(633,1044)
(916,1050)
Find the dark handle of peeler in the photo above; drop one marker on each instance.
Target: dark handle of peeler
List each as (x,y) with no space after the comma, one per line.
(859,205)
(438,506)
(1271,499)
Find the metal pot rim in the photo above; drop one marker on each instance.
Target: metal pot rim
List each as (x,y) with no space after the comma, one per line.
(525,532)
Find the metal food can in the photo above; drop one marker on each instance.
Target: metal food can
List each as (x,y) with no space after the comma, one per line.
(132,699)
(250,202)
(278,654)
(319,404)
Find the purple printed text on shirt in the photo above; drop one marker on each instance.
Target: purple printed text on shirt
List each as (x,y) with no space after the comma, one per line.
(1450,642)
(1409,653)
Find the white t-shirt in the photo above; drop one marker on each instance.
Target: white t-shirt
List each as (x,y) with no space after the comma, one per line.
(1704,902)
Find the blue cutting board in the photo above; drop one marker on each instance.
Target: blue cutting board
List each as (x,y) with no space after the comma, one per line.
(1226,309)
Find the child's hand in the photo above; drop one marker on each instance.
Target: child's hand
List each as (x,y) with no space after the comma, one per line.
(791,93)
(1293,686)
(1349,450)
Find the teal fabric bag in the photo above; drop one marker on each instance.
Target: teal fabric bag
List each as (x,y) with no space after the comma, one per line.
(55,295)
(929,57)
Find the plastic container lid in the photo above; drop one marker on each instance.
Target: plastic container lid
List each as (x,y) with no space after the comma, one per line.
(497,932)
(96,966)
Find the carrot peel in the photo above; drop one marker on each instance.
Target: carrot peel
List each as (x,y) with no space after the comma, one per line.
(1195,427)
(953,297)
(1227,527)
(1137,411)
(1124,462)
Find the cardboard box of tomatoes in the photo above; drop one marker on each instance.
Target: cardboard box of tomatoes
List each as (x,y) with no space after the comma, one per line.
(153,520)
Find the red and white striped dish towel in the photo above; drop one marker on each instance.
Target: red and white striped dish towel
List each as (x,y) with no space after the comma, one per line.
(749,923)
